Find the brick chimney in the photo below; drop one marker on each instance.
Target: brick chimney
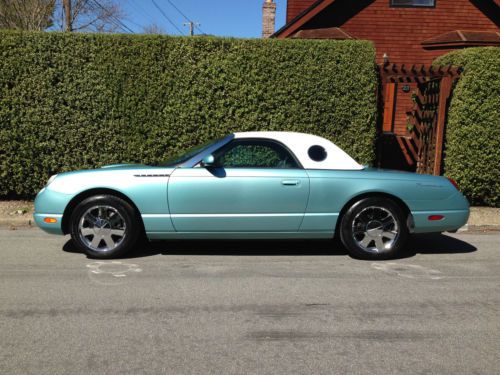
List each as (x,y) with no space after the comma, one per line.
(268,18)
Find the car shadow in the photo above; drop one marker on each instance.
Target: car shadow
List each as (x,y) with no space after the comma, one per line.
(418,244)
(437,243)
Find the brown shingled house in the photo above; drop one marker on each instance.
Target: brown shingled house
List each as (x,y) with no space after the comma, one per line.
(406,34)
(405,31)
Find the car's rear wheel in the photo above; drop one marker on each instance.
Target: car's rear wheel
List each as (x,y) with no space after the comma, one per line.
(104,226)
(374,228)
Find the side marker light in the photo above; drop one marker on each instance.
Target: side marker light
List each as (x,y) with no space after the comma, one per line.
(435,217)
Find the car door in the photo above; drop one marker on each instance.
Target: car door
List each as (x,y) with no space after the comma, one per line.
(255,185)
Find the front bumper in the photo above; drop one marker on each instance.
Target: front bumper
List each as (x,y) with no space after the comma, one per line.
(52,228)
(50,204)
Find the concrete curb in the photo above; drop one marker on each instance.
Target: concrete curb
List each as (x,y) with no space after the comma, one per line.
(23,222)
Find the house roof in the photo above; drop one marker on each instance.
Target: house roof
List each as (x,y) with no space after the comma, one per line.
(317,7)
(324,33)
(463,38)
(292,26)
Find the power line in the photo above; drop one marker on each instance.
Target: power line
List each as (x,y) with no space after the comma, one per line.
(114,20)
(139,9)
(117,22)
(189,21)
(168,19)
(133,23)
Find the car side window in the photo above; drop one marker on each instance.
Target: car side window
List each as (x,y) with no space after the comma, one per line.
(255,154)
(317,153)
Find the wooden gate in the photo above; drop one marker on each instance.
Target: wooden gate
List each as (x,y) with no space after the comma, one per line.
(421,94)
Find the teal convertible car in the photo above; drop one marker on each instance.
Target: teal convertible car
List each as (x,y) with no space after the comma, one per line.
(255,185)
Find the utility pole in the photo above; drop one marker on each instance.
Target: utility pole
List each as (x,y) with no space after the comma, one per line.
(67,14)
(191,25)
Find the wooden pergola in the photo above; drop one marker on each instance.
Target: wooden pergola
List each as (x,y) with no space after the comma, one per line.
(424,145)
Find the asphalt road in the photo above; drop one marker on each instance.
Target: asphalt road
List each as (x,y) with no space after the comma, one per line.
(249,308)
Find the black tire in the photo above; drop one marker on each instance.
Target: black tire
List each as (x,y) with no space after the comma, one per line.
(368,225)
(104,215)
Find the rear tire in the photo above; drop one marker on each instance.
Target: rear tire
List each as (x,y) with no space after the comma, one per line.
(104,227)
(374,228)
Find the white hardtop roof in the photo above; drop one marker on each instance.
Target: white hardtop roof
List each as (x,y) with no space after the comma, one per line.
(299,144)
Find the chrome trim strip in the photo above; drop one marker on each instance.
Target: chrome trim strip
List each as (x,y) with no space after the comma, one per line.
(234,215)
(151,175)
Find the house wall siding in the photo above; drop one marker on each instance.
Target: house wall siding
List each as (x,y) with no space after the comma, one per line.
(399,32)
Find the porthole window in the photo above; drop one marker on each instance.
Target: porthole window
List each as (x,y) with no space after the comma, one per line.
(317,153)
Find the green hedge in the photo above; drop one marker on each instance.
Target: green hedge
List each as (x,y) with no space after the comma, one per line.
(472,154)
(70,101)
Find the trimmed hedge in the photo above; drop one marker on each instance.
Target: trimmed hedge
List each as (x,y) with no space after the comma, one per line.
(71,101)
(472,154)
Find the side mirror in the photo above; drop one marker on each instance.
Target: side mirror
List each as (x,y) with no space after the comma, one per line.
(208,161)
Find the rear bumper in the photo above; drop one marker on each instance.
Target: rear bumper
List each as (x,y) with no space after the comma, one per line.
(452,220)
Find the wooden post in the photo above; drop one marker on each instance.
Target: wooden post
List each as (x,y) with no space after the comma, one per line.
(444,94)
(389,101)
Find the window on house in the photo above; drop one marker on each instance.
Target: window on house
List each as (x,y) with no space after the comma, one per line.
(413,3)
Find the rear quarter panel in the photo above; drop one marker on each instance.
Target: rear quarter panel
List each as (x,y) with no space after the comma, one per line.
(424,195)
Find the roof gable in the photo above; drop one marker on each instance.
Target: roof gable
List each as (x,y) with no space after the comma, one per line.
(488,7)
(302,18)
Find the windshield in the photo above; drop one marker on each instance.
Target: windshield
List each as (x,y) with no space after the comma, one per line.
(185,155)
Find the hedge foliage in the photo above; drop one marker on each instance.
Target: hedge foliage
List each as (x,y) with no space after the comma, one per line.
(472,153)
(71,101)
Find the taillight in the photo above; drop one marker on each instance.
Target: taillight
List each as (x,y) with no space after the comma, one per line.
(453,182)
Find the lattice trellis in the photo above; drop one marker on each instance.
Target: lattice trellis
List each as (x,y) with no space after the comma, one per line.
(424,145)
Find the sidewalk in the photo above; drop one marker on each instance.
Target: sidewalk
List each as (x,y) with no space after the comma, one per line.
(14,214)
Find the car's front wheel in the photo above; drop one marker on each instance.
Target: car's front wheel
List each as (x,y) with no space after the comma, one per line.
(374,228)
(104,226)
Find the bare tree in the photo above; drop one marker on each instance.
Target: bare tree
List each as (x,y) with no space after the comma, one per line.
(89,15)
(26,14)
(153,29)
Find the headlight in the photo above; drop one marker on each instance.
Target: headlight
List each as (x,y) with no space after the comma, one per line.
(52,178)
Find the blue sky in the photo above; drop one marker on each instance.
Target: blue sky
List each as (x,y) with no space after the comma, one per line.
(238,18)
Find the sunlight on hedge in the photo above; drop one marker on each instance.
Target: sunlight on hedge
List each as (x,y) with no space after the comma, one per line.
(472,154)
(71,101)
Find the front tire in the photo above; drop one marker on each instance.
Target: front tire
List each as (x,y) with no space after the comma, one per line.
(374,228)
(104,226)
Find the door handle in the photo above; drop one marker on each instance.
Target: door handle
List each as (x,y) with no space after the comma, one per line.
(290,182)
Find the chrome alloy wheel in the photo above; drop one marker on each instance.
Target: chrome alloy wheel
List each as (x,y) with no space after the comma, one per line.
(375,229)
(102,228)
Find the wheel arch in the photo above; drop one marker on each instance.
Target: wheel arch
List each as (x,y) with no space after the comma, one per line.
(394,198)
(89,193)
